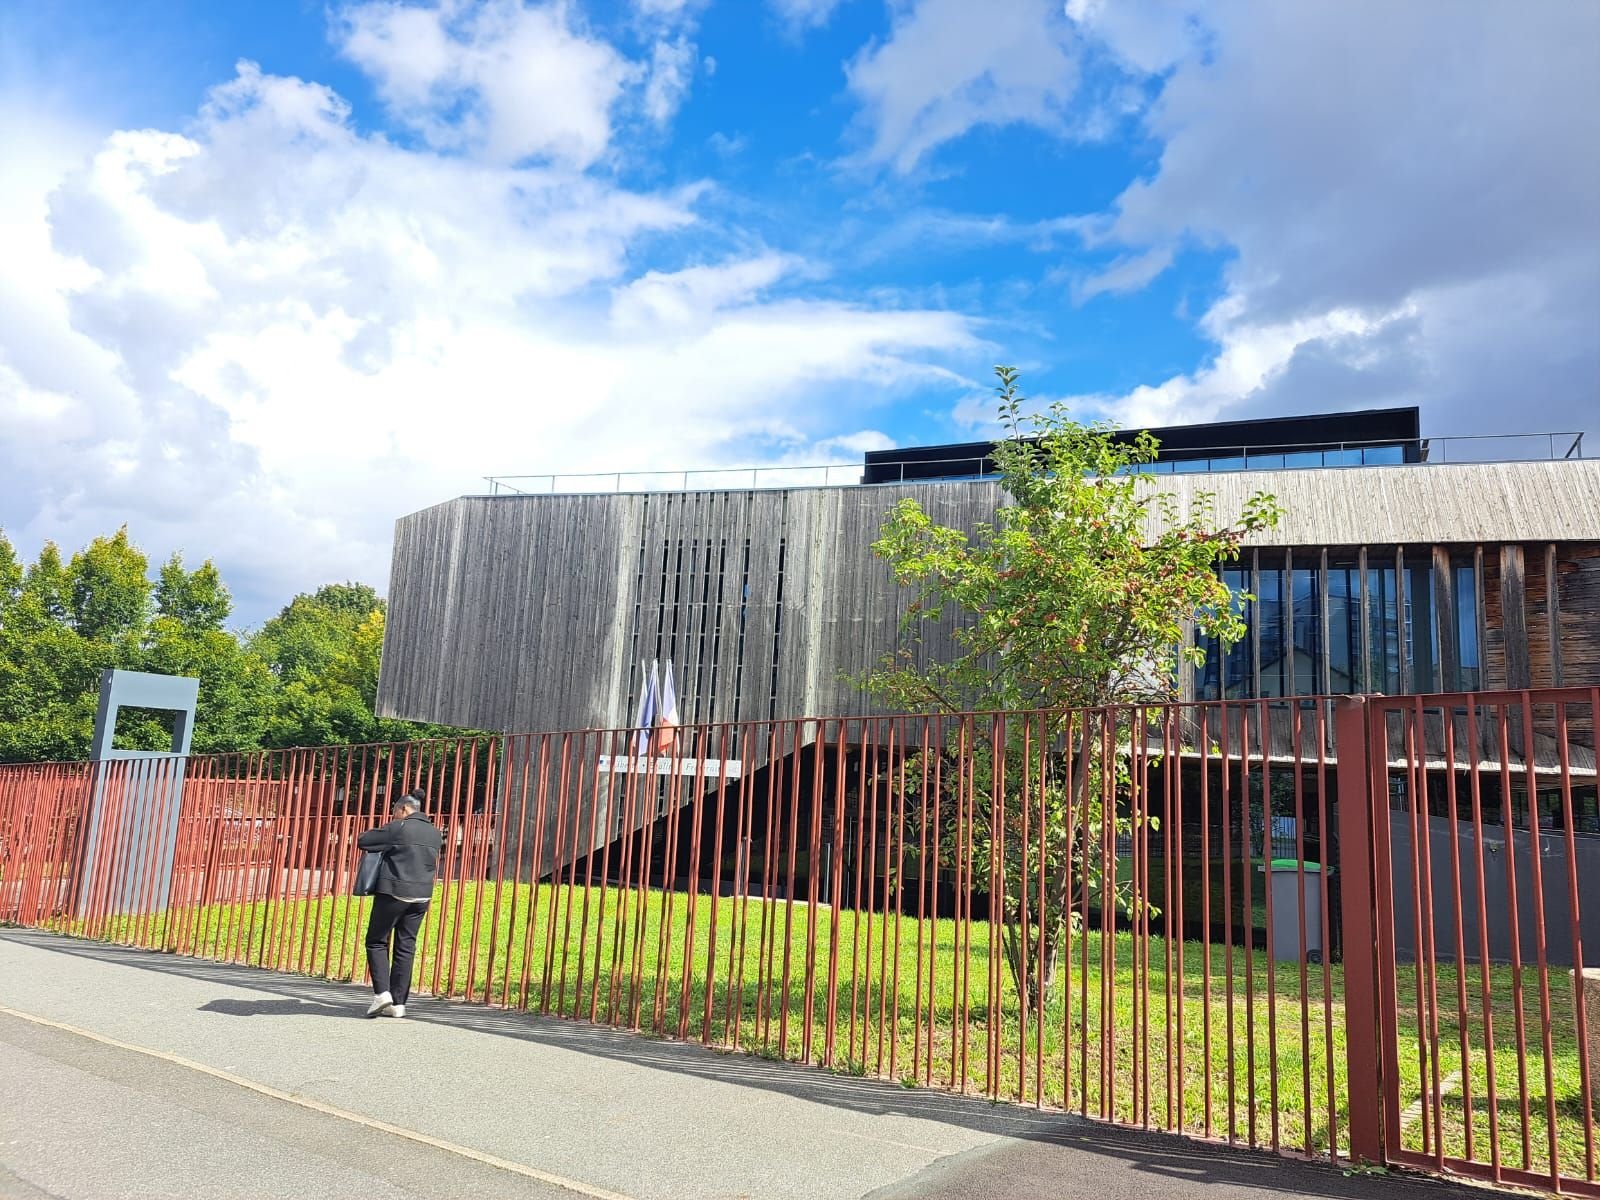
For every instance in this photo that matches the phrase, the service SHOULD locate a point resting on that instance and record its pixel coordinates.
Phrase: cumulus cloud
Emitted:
(512, 81)
(1375, 170)
(268, 336)
(949, 66)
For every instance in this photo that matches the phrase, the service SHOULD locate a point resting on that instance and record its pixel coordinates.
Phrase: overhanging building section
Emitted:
(536, 612)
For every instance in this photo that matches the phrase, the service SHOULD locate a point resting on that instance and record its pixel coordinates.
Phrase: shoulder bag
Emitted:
(367, 873)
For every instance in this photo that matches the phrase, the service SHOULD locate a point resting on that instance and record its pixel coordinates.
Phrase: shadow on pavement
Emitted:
(283, 1008)
(1161, 1155)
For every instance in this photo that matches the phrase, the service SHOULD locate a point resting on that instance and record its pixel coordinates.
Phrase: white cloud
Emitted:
(949, 66)
(854, 445)
(799, 15)
(1129, 273)
(668, 10)
(673, 299)
(268, 337)
(509, 80)
(671, 73)
(1408, 195)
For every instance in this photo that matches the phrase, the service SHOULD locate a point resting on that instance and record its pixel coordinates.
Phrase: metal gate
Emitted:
(1485, 872)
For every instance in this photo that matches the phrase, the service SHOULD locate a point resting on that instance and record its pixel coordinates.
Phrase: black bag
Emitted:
(367, 873)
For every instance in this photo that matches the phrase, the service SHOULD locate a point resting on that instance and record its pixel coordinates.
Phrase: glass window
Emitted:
(1227, 674)
(1266, 462)
(1306, 600)
(1235, 463)
(1380, 456)
(1344, 629)
(1271, 614)
(1383, 659)
(1190, 466)
(1467, 628)
(1422, 629)
(1301, 459)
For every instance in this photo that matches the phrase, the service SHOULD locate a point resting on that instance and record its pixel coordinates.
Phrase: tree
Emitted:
(47, 671)
(308, 677)
(187, 637)
(10, 573)
(1084, 593)
(108, 590)
(198, 600)
(324, 650)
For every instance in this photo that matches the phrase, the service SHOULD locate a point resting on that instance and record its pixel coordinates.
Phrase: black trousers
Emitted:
(402, 919)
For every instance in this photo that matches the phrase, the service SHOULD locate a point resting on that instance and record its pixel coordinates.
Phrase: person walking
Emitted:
(410, 847)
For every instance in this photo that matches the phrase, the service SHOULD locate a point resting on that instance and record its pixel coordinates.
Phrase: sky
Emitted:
(275, 274)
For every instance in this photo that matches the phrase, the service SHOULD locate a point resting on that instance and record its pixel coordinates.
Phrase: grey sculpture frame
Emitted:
(152, 785)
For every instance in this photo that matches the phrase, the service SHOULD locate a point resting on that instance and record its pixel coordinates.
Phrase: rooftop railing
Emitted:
(1421, 452)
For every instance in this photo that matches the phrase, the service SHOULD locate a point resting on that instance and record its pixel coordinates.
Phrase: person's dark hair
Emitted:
(412, 800)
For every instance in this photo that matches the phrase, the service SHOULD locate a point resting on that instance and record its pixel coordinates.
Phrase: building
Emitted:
(1403, 565)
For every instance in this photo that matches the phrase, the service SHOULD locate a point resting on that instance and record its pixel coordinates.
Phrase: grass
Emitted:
(631, 959)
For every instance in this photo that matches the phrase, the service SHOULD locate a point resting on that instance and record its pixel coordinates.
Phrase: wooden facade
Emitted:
(536, 612)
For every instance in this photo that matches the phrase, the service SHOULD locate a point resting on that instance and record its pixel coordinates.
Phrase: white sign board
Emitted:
(665, 764)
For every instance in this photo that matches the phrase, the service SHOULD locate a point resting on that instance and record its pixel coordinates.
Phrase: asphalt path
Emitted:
(127, 1073)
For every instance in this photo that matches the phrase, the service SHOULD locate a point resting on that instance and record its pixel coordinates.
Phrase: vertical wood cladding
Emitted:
(536, 613)
(520, 614)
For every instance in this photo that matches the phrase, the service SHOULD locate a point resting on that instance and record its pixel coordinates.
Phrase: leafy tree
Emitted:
(187, 637)
(10, 573)
(312, 629)
(198, 600)
(1085, 592)
(108, 590)
(46, 582)
(48, 677)
(308, 677)
(324, 649)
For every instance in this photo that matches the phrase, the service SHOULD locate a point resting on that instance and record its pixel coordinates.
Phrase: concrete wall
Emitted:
(1499, 860)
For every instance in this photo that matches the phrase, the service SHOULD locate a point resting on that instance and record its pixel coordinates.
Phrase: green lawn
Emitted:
(551, 950)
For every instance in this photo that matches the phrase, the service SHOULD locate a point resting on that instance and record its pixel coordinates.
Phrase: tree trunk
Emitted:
(1022, 945)
(1061, 883)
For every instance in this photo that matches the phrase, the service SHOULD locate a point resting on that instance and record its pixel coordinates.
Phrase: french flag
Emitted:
(667, 719)
(649, 701)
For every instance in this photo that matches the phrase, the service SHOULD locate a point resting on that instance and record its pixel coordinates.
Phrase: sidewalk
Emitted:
(460, 1100)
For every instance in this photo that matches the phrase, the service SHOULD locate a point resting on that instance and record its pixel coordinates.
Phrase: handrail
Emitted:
(1457, 448)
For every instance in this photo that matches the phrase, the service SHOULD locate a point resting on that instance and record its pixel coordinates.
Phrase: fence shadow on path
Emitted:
(1160, 1155)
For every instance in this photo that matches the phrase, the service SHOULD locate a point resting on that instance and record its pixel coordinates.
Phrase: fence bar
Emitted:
(1361, 934)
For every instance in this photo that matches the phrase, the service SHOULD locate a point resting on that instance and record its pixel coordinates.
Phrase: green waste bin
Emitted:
(1288, 883)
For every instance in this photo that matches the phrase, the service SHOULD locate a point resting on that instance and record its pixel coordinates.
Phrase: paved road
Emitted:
(131, 1074)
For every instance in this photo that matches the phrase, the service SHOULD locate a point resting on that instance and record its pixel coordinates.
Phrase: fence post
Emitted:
(1363, 1030)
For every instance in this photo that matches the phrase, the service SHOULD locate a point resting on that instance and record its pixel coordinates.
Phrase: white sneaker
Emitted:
(398, 1010)
(381, 1003)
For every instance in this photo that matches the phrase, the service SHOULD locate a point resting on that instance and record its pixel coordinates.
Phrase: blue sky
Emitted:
(278, 273)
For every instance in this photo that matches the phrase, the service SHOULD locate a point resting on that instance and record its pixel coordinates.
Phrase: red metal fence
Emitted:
(1186, 917)
(1484, 829)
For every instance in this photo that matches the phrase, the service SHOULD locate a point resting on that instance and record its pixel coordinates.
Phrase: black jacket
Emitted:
(410, 849)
